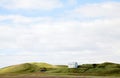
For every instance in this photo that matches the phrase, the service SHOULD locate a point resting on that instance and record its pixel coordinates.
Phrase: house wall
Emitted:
(73, 65)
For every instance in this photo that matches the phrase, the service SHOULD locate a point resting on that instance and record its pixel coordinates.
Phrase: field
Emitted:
(57, 77)
(45, 75)
(44, 70)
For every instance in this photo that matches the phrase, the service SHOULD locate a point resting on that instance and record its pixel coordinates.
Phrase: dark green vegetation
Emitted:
(44, 69)
(103, 69)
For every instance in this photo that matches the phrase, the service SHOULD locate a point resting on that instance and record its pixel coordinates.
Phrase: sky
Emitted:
(59, 31)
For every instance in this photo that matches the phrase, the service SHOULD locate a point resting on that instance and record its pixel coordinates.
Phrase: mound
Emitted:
(25, 68)
(42, 65)
(103, 69)
(106, 68)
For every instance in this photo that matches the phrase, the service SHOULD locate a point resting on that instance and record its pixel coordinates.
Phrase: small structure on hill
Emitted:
(73, 65)
(43, 69)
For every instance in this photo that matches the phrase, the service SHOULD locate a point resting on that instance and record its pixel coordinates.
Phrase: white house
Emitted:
(73, 65)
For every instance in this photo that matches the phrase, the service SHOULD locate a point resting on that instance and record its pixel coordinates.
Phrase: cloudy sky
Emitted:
(59, 31)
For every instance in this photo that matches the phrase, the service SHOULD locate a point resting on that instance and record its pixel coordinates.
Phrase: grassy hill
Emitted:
(106, 68)
(26, 68)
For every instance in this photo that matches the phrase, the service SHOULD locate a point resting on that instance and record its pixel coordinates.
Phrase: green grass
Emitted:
(25, 68)
(17, 68)
(104, 69)
(41, 65)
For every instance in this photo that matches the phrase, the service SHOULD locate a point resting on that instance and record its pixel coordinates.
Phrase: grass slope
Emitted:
(106, 68)
(25, 68)
(103, 69)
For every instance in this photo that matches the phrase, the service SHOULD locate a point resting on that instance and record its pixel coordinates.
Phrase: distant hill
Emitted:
(106, 68)
(26, 68)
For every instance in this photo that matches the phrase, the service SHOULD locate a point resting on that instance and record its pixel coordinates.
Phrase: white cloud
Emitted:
(61, 35)
(30, 4)
(72, 2)
(106, 9)
(39, 38)
(19, 19)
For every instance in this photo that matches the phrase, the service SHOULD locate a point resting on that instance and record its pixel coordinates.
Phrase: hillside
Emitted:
(106, 68)
(25, 68)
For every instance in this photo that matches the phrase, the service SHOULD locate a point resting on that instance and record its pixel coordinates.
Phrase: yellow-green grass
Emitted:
(25, 68)
(41, 65)
(104, 69)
